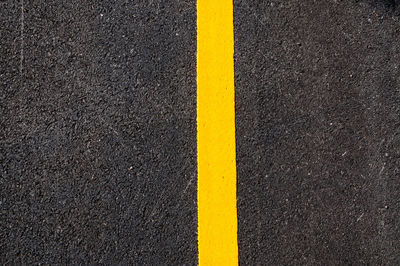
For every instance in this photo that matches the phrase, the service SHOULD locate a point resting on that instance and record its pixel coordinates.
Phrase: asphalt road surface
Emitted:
(98, 138)
(318, 132)
(98, 132)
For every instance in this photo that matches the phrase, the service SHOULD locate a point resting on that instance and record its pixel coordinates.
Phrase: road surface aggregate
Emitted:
(98, 132)
(318, 132)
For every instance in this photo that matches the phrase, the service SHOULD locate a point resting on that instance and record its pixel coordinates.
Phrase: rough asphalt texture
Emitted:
(318, 132)
(98, 136)
(98, 132)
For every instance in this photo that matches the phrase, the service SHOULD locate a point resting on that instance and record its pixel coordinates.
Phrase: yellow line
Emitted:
(216, 156)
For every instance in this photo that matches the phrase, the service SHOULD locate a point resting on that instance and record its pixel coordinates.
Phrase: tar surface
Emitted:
(98, 132)
(318, 132)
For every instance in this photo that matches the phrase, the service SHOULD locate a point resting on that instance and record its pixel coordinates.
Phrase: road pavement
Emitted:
(98, 132)
(318, 132)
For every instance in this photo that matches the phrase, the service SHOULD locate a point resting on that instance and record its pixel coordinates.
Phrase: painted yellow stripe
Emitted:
(217, 216)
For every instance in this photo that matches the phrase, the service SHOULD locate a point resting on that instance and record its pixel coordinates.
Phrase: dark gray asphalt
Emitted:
(318, 132)
(98, 132)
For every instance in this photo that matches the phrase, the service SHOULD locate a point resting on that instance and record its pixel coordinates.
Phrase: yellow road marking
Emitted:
(216, 155)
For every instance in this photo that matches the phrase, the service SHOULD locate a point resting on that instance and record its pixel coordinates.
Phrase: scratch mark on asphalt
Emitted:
(188, 185)
(155, 207)
(22, 39)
